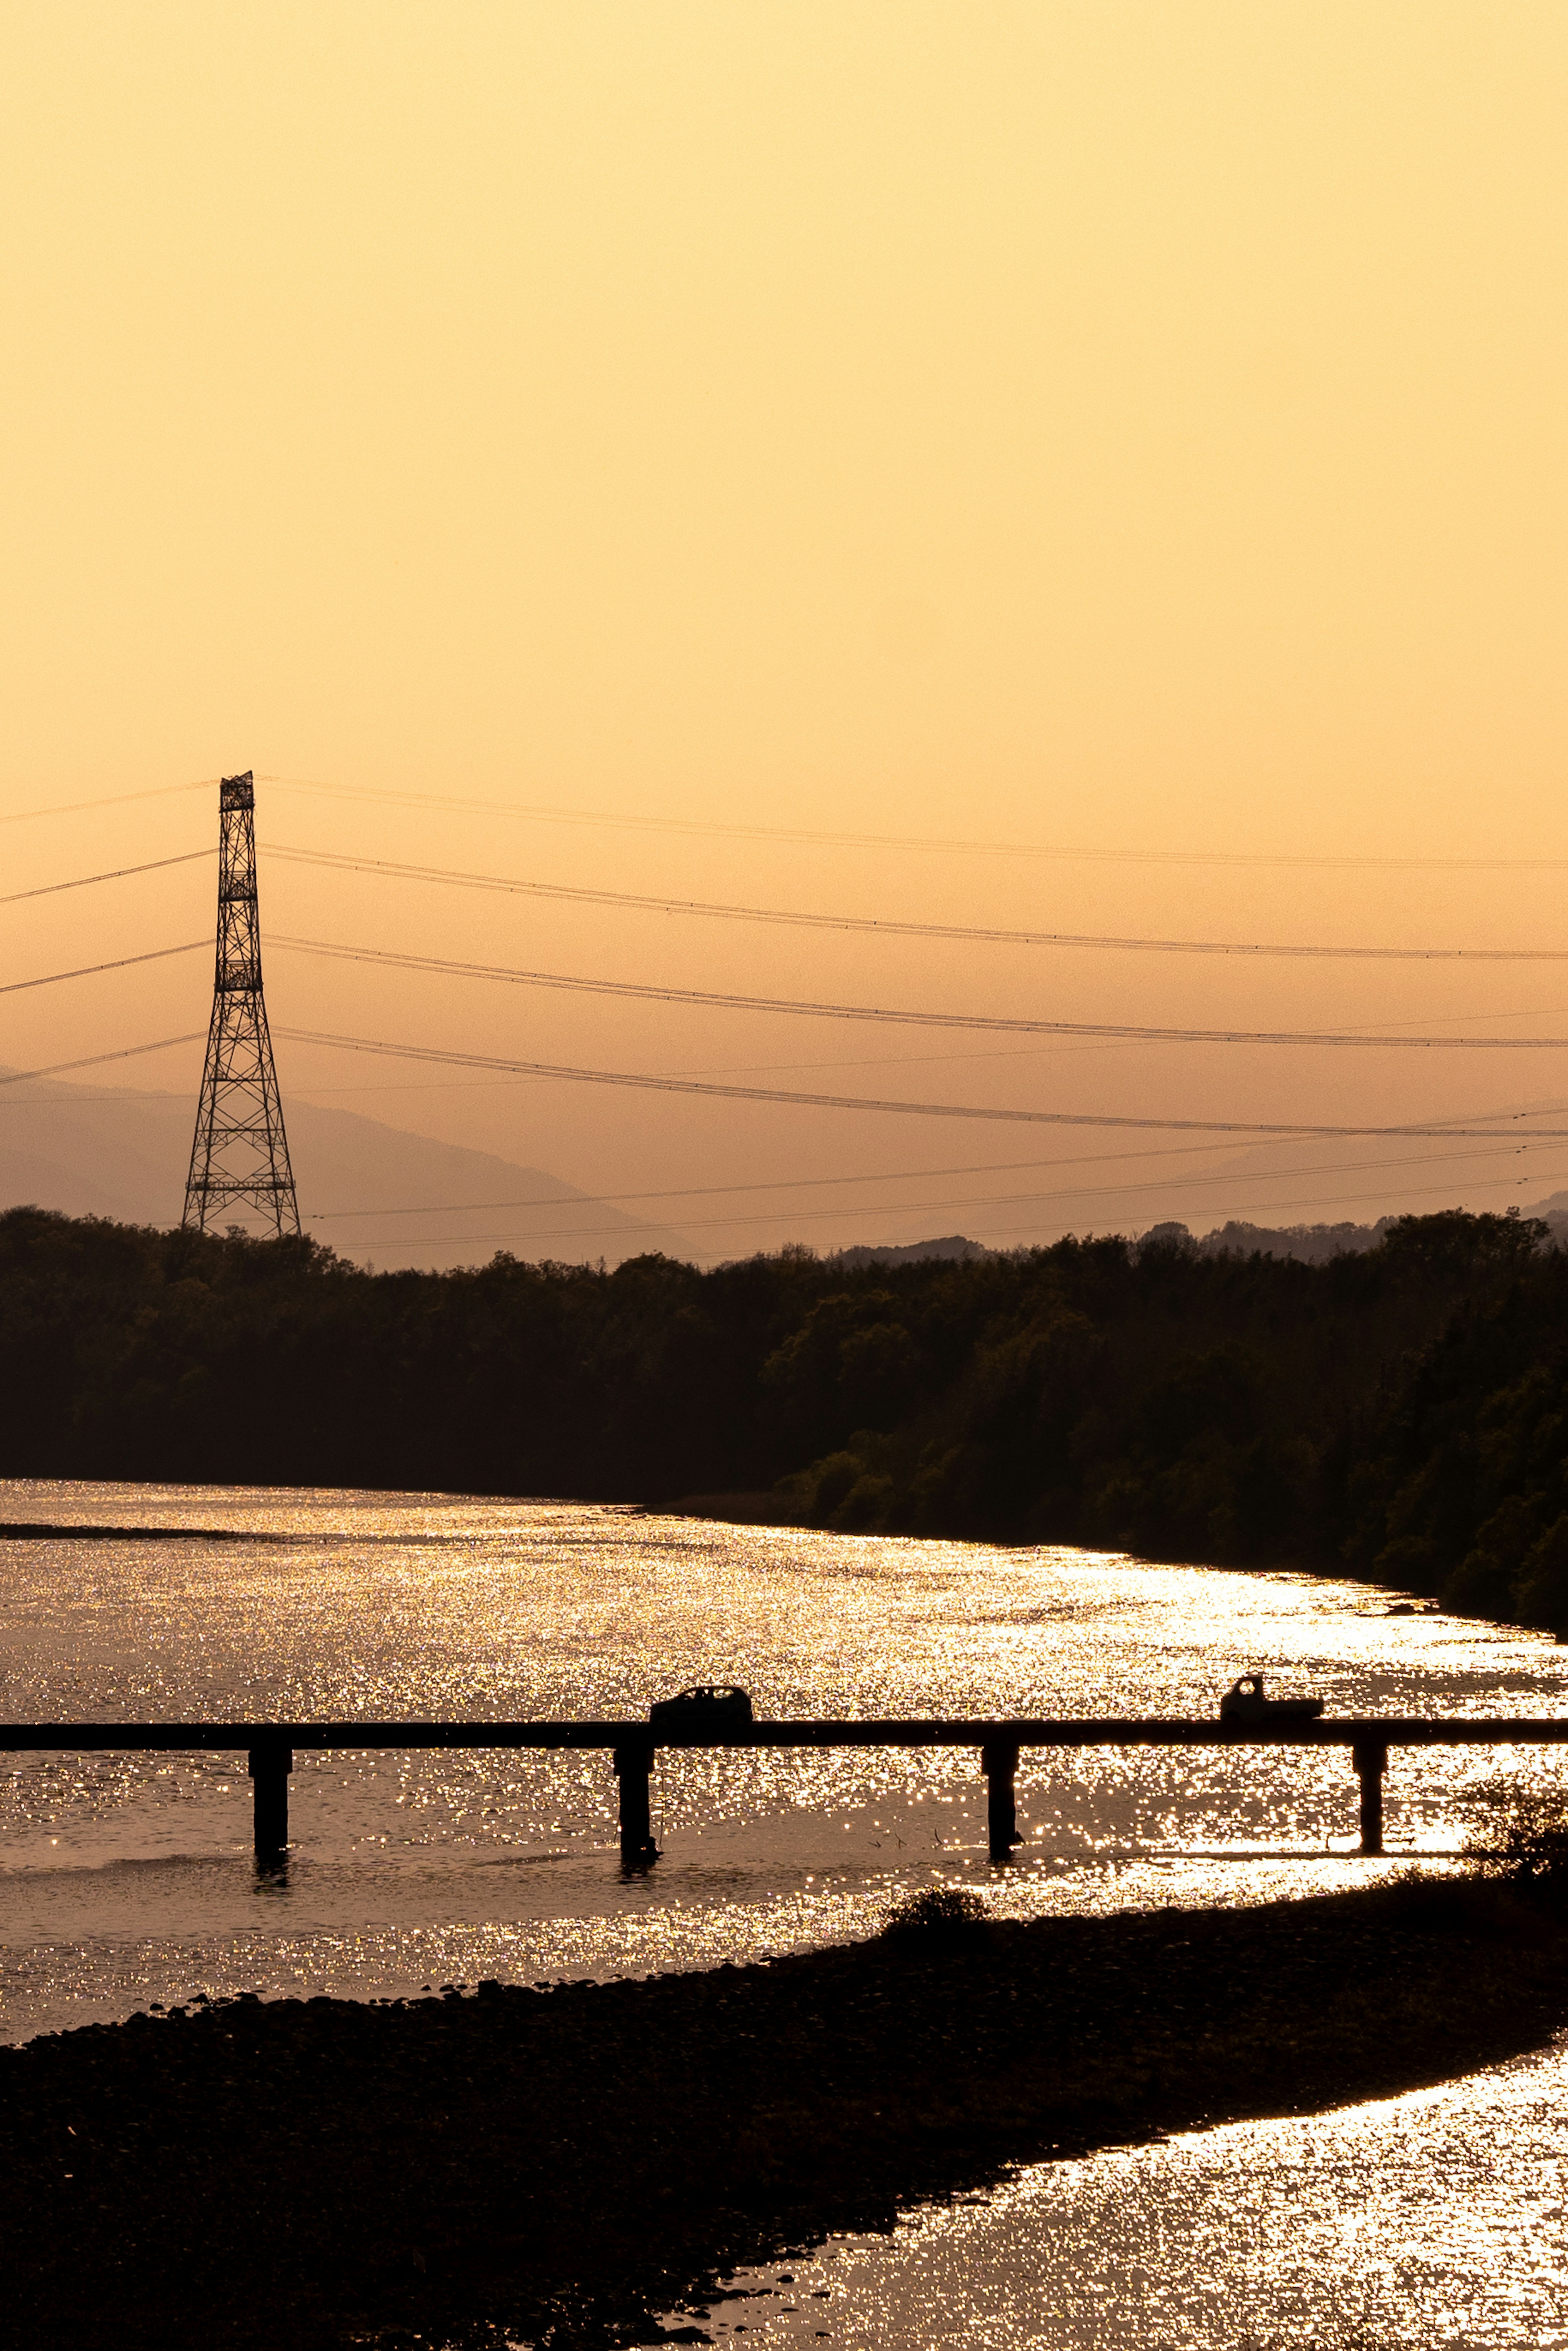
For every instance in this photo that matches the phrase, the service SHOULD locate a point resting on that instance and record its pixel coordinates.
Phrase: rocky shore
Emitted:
(550, 2166)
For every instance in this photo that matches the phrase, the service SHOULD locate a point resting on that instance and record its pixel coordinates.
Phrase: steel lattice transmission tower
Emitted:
(240, 1153)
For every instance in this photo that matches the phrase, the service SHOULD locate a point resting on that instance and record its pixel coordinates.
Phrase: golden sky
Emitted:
(1114, 428)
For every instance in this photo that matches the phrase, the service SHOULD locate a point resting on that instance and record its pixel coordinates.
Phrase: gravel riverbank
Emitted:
(551, 2165)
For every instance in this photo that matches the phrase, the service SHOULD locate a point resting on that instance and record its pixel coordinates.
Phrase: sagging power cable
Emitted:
(87, 971)
(1007, 1024)
(573, 895)
(96, 1061)
(700, 1224)
(1338, 1200)
(549, 813)
(658, 1084)
(900, 1207)
(115, 799)
(790, 1183)
(118, 873)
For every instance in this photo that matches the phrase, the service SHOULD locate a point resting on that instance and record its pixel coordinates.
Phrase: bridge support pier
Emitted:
(1370, 1757)
(270, 1765)
(1000, 1762)
(633, 1769)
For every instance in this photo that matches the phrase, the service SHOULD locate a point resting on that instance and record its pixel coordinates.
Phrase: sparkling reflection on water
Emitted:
(1430, 2220)
(126, 1879)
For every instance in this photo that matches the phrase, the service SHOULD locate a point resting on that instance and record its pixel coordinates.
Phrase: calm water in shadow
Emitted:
(124, 1880)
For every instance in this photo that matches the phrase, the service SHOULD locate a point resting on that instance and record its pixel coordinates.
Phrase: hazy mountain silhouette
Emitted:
(1307, 1244)
(121, 1153)
(1553, 1213)
(1304, 1185)
(953, 1248)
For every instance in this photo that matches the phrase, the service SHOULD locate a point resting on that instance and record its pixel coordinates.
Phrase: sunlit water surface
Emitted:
(1434, 2219)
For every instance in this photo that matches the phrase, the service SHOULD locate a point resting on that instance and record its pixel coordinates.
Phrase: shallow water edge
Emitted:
(554, 2167)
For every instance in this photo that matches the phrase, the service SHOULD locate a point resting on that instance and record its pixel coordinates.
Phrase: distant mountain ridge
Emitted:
(953, 1248)
(1552, 1211)
(1316, 1244)
(120, 1153)
(1309, 1244)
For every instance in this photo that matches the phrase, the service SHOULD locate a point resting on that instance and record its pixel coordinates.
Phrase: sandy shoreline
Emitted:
(556, 2165)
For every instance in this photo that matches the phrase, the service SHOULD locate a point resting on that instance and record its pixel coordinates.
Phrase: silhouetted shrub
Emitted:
(1526, 1844)
(938, 1913)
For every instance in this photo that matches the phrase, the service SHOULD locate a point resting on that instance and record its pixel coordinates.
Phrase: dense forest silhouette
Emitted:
(1401, 1412)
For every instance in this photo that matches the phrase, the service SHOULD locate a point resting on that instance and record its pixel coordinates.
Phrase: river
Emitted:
(125, 1880)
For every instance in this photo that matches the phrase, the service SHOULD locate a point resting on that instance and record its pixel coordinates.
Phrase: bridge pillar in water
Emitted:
(633, 1769)
(1371, 1758)
(270, 1765)
(1000, 1762)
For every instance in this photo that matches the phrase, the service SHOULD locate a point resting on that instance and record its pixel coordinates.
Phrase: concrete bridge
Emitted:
(270, 1748)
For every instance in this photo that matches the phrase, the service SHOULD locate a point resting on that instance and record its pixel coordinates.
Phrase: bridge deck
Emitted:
(270, 1748)
(1024, 1731)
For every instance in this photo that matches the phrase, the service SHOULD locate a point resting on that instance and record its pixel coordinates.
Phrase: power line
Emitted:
(780, 1183)
(686, 826)
(839, 1062)
(117, 800)
(96, 1061)
(1122, 1031)
(1342, 1200)
(599, 1232)
(548, 813)
(911, 1207)
(87, 971)
(887, 927)
(1006, 1024)
(119, 874)
(656, 1084)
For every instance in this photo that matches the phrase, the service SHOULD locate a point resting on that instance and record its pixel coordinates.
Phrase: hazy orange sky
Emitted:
(1099, 427)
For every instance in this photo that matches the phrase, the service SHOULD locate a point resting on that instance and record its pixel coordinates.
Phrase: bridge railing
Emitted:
(270, 1748)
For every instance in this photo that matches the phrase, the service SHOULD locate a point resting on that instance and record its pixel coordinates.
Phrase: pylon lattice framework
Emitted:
(240, 1153)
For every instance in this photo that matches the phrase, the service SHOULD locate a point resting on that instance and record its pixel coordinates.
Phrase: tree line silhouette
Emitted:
(1400, 1414)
